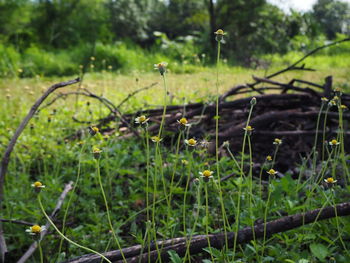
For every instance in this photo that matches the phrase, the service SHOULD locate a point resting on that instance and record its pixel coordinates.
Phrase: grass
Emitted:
(125, 166)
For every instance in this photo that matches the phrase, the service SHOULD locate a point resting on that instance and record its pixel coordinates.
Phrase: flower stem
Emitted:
(41, 252)
(107, 209)
(63, 236)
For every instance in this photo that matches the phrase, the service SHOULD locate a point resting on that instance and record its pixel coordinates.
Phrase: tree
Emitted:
(333, 17)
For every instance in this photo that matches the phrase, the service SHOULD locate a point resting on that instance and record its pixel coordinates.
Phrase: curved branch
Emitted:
(6, 157)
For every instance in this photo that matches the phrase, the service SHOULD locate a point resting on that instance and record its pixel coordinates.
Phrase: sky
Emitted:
(300, 5)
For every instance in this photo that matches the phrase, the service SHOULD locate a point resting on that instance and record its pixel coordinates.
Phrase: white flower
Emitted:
(35, 230)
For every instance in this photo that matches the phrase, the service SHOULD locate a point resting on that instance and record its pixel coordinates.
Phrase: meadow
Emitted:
(130, 191)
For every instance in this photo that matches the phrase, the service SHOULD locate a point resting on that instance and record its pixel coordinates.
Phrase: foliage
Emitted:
(175, 28)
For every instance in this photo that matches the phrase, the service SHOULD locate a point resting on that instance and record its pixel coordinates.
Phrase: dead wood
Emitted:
(199, 242)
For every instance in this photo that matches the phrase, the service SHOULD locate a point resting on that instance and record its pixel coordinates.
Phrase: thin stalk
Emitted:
(63, 236)
(223, 211)
(240, 184)
(107, 209)
(71, 197)
(250, 176)
(195, 223)
(207, 219)
(185, 195)
(315, 142)
(324, 132)
(265, 219)
(40, 252)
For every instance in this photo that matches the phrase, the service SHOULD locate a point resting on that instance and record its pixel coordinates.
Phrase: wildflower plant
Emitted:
(141, 120)
(191, 142)
(206, 175)
(35, 230)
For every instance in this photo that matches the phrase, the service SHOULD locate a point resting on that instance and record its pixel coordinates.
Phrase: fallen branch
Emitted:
(6, 157)
(218, 240)
(58, 206)
(18, 222)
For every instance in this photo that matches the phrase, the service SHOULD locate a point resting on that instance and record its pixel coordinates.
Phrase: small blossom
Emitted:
(191, 142)
(184, 162)
(206, 175)
(219, 35)
(96, 152)
(277, 141)
(110, 67)
(343, 107)
(156, 139)
(37, 186)
(92, 58)
(20, 70)
(272, 172)
(220, 32)
(334, 142)
(204, 144)
(249, 129)
(324, 99)
(332, 103)
(330, 180)
(161, 67)
(183, 121)
(226, 144)
(253, 101)
(269, 158)
(141, 119)
(93, 130)
(338, 91)
(35, 230)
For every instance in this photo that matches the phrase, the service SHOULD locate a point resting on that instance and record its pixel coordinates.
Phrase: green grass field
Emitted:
(178, 206)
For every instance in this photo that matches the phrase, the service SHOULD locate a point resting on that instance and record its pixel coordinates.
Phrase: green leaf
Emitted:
(213, 251)
(174, 257)
(318, 250)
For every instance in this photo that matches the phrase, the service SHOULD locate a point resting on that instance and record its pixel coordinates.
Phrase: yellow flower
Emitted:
(161, 67)
(93, 130)
(184, 162)
(219, 35)
(38, 185)
(141, 119)
(191, 142)
(35, 230)
(277, 141)
(156, 139)
(96, 152)
(183, 121)
(272, 172)
(226, 144)
(269, 158)
(324, 99)
(330, 180)
(206, 175)
(334, 142)
(248, 129)
(220, 32)
(92, 58)
(343, 107)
